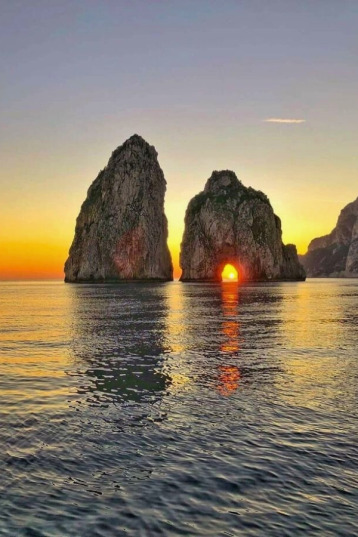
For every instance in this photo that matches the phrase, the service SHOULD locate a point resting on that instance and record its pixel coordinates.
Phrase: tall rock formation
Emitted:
(336, 254)
(230, 223)
(121, 231)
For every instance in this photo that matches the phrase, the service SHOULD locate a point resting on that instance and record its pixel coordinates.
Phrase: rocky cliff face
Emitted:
(336, 254)
(121, 231)
(229, 223)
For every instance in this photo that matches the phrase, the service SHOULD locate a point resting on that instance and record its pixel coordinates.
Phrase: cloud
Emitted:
(283, 120)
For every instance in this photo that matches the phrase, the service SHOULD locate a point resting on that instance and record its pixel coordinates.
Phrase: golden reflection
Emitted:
(178, 382)
(230, 324)
(175, 367)
(229, 375)
(32, 362)
(229, 274)
(313, 335)
(175, 319)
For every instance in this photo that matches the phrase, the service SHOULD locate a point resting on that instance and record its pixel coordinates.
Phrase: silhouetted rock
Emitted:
(336, 254)
(121, 231)
(230, 223)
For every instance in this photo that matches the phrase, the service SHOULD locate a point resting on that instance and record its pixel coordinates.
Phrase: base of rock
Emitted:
(241, 281)
(119, 281)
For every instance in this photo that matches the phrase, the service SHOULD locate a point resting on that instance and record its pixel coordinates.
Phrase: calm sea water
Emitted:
(179, 409)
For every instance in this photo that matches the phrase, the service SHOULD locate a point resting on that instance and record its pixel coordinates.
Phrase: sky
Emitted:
(199, 80)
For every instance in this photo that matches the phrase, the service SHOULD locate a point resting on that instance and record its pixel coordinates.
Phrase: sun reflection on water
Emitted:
(230, 324)
(229, 374)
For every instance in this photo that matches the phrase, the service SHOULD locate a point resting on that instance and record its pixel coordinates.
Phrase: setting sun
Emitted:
(229, 274)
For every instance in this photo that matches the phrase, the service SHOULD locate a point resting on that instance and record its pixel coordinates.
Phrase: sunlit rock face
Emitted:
(336, 254)
(230, 223)
(121, 231)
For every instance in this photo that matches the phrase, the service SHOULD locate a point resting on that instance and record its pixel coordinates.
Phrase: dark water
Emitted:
(179, 409)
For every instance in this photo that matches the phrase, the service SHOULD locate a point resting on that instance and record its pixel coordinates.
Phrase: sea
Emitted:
(170, 409)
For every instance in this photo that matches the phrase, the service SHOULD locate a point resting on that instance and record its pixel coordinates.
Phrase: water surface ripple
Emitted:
(179, 409)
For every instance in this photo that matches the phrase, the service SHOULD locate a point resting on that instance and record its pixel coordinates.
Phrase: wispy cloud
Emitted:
(283, 120)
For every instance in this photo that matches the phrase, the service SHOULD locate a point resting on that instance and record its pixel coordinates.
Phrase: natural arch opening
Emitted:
(230, 274)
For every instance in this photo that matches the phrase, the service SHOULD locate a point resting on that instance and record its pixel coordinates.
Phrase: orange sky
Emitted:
(38, 243)
(41, 202)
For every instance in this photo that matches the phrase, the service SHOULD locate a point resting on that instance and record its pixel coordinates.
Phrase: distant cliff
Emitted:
(336, 254)
(230, 223)
(121, 231)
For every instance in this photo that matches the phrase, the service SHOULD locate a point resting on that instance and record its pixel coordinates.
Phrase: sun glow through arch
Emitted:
(229, 274)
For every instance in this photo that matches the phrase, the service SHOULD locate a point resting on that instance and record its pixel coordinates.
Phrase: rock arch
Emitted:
(230, 223)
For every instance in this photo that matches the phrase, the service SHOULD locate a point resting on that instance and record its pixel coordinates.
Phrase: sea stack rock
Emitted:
(121, 231)
(230, 223)
(336, 254)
